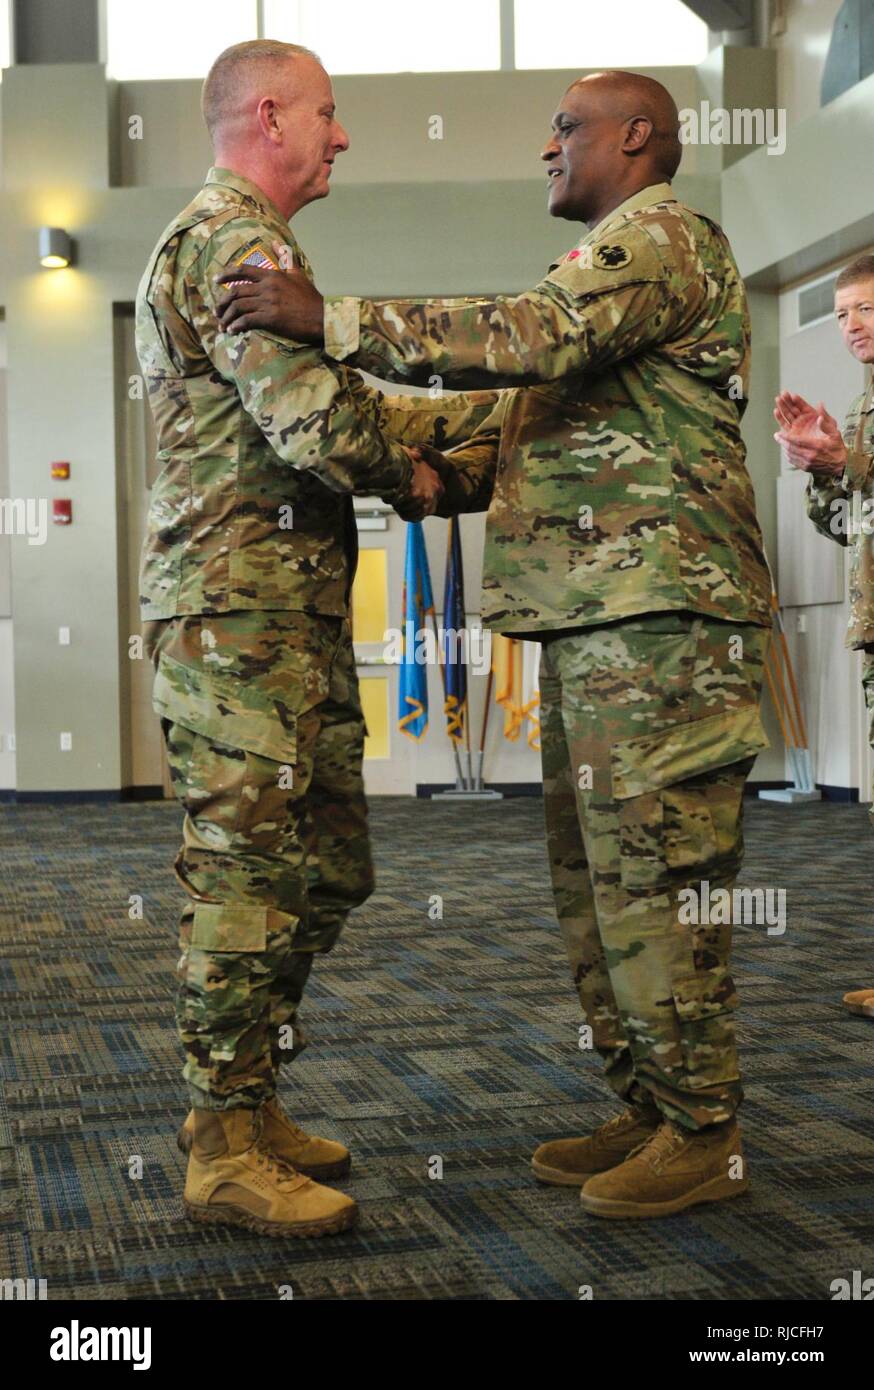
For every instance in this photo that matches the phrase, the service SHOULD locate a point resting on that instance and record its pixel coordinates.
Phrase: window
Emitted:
(180, 38)
(173, 38)
(597, 34)
(391, 35)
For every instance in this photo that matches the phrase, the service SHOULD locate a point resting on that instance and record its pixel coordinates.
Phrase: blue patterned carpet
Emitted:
(453, 1039)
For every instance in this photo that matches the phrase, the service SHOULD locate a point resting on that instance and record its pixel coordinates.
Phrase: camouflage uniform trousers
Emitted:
(264, 733)
(649, 729)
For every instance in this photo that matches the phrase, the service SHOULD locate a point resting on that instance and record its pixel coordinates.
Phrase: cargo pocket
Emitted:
(705, 1004)
(667, 821)
(219, 928)
(227, 712)
(227, 745)
(641, 842)
(223, 974)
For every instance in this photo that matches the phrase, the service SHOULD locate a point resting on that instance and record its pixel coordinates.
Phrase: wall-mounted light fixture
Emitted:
(55, 248)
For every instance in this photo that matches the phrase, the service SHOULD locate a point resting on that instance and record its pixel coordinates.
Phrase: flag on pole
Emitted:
(418, 604)
(531, 690)
(517, 686)
(454, 653)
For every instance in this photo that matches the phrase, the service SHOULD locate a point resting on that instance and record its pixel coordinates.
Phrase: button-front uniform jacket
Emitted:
(843, 509)
(612, 467)
(262, 443)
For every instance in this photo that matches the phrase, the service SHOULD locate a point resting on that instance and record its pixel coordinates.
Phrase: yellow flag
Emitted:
(516, 686)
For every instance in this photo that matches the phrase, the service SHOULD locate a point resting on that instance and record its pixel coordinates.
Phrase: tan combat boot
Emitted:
(860, 1001)
(235, 1180)
(316, 1158)
(673, 1170)
(569, 1162)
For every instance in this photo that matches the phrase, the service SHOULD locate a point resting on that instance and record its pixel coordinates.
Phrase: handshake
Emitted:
(426, 484)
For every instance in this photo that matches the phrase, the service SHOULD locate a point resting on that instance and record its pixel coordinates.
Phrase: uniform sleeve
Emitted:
(301, 403)
(443, 421)
(829, 499)
(827, 503)
(465, 427)
(612, 301)
(859, 472)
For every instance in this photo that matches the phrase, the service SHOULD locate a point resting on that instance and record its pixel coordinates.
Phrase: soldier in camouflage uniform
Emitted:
(840, 489)
(622, 534)
(245, 581)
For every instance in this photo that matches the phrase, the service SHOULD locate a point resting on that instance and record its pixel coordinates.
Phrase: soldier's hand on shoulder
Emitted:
(283, 301)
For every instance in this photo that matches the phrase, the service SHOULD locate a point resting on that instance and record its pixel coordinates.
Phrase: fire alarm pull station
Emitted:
(60, 470)
(62, 511)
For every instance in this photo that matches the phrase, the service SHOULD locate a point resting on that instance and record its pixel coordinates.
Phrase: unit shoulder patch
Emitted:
(611, 256)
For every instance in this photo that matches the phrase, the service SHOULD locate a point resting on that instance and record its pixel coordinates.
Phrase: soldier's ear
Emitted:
(637, 132)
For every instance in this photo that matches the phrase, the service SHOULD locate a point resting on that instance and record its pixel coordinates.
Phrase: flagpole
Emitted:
(459, 780)
(482, 737)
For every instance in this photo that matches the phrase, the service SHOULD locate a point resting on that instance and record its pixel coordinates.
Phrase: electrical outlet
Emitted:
(801, 622)
(10, 743)
(64, 636)
(66, 743)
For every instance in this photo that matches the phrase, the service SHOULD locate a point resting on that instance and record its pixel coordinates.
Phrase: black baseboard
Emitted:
(108, 797)
(424, 790)
(142, 794)
(848, 795)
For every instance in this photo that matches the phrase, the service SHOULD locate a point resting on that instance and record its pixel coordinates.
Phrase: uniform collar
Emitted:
(228, 179)
(644, 198)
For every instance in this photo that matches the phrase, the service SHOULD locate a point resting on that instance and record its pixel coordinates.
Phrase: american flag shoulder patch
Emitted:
(253, 253)
(256, 253)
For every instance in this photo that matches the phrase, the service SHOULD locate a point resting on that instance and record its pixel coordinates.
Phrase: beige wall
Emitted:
(494, 126)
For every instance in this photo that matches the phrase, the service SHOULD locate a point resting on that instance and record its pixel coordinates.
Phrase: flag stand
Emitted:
(467, 788)
(789, 714)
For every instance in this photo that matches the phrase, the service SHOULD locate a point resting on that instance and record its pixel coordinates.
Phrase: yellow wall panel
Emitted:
(374, 702)
(370, 596)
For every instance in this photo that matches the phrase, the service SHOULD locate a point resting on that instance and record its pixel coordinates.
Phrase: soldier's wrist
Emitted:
(858, 468)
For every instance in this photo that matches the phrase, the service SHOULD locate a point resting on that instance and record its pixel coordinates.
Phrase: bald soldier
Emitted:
(245, 580)
(622, 534)
(840, 489)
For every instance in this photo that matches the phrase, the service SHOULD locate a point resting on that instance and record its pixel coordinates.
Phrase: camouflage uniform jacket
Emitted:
(619, 486)
(843, 510)
(262, 442)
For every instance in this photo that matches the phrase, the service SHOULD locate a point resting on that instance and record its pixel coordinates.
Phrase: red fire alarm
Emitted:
(60, 470)
(62, 511)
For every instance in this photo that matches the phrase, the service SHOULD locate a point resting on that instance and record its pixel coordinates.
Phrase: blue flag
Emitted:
(418, 604)
(454, 653)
